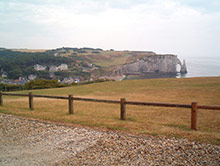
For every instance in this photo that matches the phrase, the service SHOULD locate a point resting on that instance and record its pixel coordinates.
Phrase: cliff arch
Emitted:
(183, 69)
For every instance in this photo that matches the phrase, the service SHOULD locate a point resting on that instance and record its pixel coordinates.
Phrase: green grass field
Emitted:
(170, 122)
(112, 61)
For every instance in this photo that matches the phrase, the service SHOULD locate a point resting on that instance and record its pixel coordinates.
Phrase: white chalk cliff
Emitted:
(157, 63)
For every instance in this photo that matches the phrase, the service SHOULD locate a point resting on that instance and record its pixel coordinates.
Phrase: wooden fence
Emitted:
(193, 106)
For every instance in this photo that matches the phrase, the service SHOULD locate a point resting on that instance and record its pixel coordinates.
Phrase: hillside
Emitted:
(140, 119)
(83, 63)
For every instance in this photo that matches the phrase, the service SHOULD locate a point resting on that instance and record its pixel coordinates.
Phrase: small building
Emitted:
(4, 75)
(84, 69)
(53, 68)
(38, 67)
(56, 54)
(62, 67)
(67, 80)
(94, 68)
(77, 80)
(7, 81)
(20, 81)
(32, 77)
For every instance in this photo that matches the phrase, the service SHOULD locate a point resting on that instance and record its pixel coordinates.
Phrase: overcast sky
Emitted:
(188, 28)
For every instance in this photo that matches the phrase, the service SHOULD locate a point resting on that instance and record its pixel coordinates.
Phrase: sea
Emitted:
(202, 67)
(196, 67)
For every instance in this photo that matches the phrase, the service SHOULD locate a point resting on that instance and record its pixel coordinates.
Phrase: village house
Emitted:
(53, 68)
(32, 77)
(67, 80)
(77, 80)
(56, 54)
(85, 69)
(62, 67)
(7, 81)
(38, 67)
(21, 81)
(4, 75)
(94, 68)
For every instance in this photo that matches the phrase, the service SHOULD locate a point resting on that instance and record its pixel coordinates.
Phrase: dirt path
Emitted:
(30, 142)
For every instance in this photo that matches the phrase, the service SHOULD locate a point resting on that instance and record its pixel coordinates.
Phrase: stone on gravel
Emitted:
(31, 142)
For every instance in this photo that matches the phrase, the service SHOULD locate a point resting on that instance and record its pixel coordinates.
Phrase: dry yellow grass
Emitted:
(171, 122)
(29, 50)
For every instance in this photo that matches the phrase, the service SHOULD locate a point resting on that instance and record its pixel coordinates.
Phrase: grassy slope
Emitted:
(103, 58)
(111, 58)
(30, 50)
(112, 62)
(141, 119)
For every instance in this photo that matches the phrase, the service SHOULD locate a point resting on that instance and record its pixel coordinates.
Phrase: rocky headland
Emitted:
(157, 64)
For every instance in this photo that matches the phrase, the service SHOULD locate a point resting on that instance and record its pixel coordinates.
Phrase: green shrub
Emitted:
(7, 87)
(42, 84)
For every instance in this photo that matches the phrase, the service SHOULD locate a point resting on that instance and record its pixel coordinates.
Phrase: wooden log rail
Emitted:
(194, 105)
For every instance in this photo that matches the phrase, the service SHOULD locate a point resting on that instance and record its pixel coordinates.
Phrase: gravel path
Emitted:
(30, 142)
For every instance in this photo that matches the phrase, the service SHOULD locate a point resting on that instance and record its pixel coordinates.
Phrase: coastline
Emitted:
(199, 67)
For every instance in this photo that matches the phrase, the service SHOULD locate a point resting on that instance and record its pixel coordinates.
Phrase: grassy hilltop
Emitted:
(140, 119)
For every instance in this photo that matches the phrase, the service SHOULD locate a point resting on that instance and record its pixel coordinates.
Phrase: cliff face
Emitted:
(153, 64)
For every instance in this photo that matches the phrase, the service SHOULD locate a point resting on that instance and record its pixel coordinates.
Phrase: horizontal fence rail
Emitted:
(51, 97)
(97, 100)
(207, 107)
(193, 106)
(159, 104)
(14, 94)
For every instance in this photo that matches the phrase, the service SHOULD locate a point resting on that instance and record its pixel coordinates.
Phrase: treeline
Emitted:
(37, 84)
(43, 84)
(19, 64)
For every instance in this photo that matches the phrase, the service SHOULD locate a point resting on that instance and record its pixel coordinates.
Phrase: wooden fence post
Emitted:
(1, 99)
(70, 104)
(194, 116)
(31, 101)
(123, 108)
